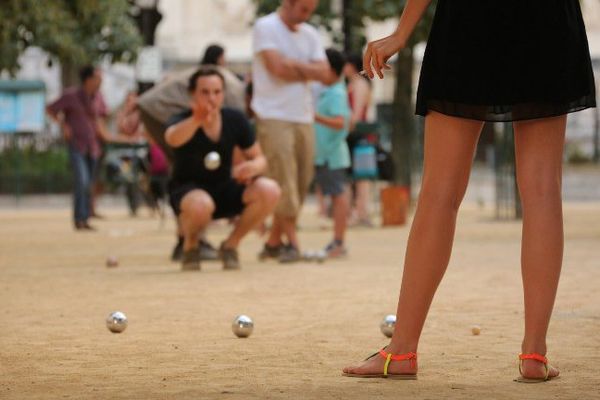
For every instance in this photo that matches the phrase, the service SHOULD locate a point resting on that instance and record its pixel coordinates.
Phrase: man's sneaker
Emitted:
(336, 249)
(190, 260)
(270, 252)
(289, 254)
(229, 258)
(177, 251)
(207, 251)
(361, 223)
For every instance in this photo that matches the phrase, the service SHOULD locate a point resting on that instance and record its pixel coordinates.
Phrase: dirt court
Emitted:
(310, 319)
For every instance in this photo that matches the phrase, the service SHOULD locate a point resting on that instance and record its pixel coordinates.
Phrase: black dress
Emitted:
(506, 60)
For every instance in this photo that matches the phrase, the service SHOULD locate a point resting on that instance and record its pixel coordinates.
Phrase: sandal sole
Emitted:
(391, 376)
(521, 379)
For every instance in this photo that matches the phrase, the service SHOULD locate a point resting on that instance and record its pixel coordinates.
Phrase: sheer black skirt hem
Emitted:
(505, 113)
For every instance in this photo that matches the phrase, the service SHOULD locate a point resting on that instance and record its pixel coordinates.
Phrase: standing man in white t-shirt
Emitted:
(288, 54)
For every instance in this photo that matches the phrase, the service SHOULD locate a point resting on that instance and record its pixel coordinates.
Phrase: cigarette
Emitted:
(363, 73)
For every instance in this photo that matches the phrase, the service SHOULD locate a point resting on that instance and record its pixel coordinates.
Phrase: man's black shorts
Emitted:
(227, 197)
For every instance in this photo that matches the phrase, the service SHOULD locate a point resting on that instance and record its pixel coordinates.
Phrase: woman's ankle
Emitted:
(401, 347)
(534, 346)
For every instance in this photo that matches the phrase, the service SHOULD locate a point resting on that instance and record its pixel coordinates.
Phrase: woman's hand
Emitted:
(378, 52)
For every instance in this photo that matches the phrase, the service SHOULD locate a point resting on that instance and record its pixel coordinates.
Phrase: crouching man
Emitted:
(205, 185)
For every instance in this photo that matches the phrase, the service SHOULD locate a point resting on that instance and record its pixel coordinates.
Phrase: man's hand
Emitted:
(335, 122)
(66, 131)
(282, 67)
(318, 71)
(202, 112)
(245, 171)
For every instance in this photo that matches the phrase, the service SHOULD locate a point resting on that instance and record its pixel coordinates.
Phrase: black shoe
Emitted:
(190, 260)
(83, 226)
(229, 258)
(207, 251)
(177, 251)
(270, 252)
(289, 254)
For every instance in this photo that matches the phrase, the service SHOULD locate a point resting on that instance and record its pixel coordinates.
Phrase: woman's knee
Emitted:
(539, 187)
(445, 196)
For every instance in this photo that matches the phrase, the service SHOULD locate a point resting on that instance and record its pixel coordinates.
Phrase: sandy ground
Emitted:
(311, 319)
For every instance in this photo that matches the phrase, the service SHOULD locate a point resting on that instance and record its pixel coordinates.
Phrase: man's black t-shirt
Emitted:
(189, 158)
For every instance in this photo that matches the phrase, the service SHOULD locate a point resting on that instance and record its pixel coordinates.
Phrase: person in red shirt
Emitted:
(77, 111)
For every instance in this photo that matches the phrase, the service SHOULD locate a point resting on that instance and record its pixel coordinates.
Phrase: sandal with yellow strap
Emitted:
(389, 357)
(536, 357)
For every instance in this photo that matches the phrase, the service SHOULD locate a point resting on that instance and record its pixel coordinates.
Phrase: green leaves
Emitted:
(77, 32)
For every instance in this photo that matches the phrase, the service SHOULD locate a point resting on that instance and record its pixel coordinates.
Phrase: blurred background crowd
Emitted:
(137, 44)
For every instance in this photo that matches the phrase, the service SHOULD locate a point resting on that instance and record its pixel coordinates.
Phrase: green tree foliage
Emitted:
(75, 32)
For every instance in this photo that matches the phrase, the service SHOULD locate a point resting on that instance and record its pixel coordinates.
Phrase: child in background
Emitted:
(332, 156)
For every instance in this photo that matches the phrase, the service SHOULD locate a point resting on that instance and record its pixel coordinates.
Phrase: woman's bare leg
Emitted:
(539, 150)
(449, 148)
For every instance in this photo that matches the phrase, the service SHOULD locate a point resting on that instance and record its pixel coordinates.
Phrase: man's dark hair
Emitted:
(336, 60)
(207, 70)
(212, 54)
(356, 61)
(86, 73)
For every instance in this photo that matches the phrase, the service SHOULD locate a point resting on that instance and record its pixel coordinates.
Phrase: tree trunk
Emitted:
(404, 119)
(347, 26)
(69, 74)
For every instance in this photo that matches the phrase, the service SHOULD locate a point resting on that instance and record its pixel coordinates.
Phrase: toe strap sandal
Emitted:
(389, 357)
(536, 357)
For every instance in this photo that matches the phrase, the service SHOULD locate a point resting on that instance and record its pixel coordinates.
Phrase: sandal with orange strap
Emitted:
(536, 357)
(389, 357)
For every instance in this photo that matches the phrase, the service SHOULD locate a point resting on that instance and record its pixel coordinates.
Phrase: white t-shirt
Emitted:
(275, 98)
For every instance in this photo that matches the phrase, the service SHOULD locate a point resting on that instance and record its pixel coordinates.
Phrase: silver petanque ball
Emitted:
(320, 256)
(387, 325)
(308, 255)
(116, 322)
(212, 160)
(242, 326)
